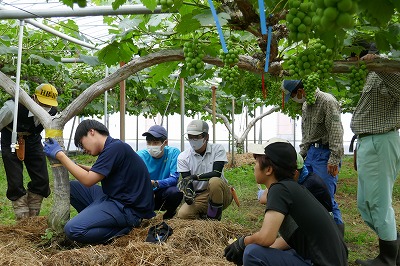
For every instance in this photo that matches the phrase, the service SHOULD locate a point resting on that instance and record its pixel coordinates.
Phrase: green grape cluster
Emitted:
(316, 58)
(230, 72)
(230, 75)
(357, 76)
(250, 84)
(37, 73)
(194, 54)
(333, 15)
(165, 4)
(232, 57)
(299, 20)
(311, 83)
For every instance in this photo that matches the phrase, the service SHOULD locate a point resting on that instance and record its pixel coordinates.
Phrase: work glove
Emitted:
(186, 186)
(234, 252)
(51, 148)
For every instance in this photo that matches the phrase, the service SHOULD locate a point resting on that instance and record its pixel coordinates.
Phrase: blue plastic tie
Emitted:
(262, 17)
(268, 48)
(221, 36)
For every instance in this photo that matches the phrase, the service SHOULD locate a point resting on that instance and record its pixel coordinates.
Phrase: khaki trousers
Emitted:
(218, 192)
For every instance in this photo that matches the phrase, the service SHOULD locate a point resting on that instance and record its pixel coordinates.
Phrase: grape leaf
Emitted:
(188, 24)
(150, 4)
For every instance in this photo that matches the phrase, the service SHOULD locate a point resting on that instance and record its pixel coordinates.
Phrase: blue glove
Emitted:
(51, 148)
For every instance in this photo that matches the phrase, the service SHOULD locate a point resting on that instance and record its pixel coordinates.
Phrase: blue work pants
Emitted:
(317, 162)
(99, 217)
(263, 256)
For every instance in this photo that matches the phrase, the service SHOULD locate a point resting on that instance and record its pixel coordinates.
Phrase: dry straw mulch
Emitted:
(193, 242)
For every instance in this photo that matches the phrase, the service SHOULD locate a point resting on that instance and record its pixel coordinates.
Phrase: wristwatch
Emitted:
(155, 184)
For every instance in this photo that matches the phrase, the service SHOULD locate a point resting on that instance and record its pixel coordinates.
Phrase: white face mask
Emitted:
(297, 100)
(196, 143)
(154, 151)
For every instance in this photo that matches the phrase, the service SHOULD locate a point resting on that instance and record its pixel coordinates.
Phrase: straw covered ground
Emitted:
(197, 242)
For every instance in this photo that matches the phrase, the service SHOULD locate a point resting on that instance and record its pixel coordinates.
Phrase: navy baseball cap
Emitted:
(156, 131)
(288, 86)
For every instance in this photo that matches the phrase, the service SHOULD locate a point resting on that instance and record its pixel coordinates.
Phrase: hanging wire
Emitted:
(170, 98)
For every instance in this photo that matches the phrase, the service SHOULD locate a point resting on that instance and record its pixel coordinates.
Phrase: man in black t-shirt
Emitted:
(308, 234)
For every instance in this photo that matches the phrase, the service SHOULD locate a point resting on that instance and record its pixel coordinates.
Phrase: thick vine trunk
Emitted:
(60, 212)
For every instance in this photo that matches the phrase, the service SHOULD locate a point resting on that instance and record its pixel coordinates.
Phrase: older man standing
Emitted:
(322, 143)
(376, 121)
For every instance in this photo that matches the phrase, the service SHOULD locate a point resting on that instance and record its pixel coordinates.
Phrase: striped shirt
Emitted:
(321, 123)
(378, 110)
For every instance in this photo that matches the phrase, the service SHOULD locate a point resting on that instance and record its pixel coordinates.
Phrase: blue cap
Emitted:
(288, 86)
(156, 131)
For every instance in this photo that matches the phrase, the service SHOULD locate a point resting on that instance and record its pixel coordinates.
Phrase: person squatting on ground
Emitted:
(308, 234)
(311, 181)
(161, 161)
(26, 202)
(376, 121)
(322, 131)
(125, 196)
(206, 191)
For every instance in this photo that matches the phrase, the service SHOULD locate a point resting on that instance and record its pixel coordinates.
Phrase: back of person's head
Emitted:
(86, 125)
(277, 153)
(156, 133)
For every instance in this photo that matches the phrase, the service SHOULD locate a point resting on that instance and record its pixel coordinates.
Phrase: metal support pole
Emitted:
(214, 103)
(14, 142)
(260, 133)
(122, 107)
(182, 87)
(106, 122)
(233, 131)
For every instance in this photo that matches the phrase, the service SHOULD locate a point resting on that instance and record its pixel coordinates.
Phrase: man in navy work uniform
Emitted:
(307, 233)
(125, 196)
(161, 161)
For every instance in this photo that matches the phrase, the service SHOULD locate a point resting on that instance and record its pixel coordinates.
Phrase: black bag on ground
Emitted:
(159, 233)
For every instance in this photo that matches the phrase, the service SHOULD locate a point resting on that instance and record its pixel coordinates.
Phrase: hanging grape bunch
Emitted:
(316, 58)
(299, 20)
(311, 83)
(165, 4)
(333, 15)
(194, 54)
(230, 72)
(230, 58)
(357, 76)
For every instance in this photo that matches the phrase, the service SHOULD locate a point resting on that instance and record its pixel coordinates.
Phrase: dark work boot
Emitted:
(387, 254)
(214, 211)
